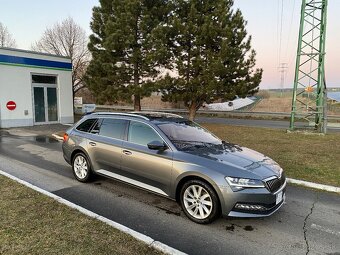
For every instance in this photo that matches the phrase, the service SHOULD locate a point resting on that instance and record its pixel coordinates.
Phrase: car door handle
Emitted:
(126, 152)
(92, 143)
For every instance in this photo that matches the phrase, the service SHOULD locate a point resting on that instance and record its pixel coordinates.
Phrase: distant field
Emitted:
(152, 102)
(274, 104)
(274, 101)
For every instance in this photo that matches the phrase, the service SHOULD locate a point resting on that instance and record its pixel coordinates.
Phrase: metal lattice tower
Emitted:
(309, 95)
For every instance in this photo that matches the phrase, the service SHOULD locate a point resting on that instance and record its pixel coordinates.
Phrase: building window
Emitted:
(46, 79)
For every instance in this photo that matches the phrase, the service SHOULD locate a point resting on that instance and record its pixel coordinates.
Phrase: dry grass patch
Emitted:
(32, 223)
(308, 157)
(277, 104)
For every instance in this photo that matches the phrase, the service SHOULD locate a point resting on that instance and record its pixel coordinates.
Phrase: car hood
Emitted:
(232, 156)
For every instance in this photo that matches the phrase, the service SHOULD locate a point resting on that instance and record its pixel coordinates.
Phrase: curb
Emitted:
(139, 236)
(314, 185)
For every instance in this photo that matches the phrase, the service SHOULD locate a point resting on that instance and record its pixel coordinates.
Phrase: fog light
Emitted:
(250, 207)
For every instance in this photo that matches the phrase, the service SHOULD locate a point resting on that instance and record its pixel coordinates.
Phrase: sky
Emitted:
(27, 20)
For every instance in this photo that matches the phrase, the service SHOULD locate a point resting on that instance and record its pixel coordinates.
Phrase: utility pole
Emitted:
(283, 68)
(309, 94)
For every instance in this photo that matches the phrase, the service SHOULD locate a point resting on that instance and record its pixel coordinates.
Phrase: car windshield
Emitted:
(186, 134)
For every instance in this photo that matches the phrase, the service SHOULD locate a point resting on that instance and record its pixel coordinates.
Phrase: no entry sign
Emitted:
(11, 105)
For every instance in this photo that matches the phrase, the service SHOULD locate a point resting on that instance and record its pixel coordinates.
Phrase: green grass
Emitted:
(307, 157)
(31, 223)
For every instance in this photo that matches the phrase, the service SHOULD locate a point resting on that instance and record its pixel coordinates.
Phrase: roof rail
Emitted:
(121, 114)
(156, 114)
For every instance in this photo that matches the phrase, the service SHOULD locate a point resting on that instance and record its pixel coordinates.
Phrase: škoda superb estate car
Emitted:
(176, 158)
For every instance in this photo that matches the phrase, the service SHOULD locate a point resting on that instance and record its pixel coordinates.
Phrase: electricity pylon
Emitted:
(309, 94)
(283, 68)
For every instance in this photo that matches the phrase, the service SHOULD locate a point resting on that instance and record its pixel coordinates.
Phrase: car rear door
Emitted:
(105, 144)
(151, 169)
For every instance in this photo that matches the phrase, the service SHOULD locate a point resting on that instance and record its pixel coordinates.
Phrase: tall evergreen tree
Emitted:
(211, 52)
(125, 57)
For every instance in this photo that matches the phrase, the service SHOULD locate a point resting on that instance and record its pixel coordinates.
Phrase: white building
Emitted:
(35, 88)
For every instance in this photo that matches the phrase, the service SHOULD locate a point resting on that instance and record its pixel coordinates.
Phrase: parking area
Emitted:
(308, 222)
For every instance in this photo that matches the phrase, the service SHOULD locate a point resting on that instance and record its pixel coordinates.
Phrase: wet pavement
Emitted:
(40, 130)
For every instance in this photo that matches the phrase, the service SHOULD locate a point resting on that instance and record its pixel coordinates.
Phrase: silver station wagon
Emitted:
(176, 158)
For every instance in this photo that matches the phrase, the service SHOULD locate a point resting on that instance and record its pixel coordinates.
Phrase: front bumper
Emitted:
(254, 198)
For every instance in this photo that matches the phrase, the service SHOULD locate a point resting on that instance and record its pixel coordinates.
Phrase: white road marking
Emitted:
(314, 185)
(326, 230)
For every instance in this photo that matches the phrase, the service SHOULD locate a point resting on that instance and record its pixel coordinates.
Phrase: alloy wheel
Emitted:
(198, 202)
(80, 167)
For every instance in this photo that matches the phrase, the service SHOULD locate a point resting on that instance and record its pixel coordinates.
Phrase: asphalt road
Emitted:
(309, 222)
(276, 124)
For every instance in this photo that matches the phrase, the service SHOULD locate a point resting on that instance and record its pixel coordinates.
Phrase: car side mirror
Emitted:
(157, 145)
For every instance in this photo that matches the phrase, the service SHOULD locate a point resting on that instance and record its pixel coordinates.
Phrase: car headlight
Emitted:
(237, 184)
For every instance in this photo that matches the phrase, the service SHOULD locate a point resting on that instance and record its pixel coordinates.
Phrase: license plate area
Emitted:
(279, 197)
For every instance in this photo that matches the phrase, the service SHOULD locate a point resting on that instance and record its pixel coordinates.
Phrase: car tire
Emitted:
(199, 202)
(81, 167)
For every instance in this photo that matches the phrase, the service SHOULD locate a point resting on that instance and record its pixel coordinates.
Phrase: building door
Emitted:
(52, 106)
(45, 104)
(39, 104)
(45, 99)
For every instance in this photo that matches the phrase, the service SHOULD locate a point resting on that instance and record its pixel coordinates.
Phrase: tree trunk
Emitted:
(137, 107)
(192, 111)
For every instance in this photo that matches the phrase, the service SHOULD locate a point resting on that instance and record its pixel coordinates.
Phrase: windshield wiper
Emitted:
(195, 143)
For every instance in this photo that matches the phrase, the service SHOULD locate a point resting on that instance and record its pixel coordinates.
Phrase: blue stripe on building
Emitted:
(34, 62)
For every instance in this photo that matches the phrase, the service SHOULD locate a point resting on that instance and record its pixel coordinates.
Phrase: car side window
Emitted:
(114, 128)
(142, 134)
(86, 125)
(96, 127)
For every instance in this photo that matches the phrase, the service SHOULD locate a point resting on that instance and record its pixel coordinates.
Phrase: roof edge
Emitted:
(34, 52)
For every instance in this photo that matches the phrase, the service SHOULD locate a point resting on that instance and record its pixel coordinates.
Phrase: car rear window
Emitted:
(86, 125)
(114, 128)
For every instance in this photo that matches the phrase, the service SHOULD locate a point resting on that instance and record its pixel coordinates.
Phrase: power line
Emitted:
(290, 28)
(277, 31)
(281, 30)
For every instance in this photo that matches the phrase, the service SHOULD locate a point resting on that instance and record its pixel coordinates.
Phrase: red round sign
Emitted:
(11, 105)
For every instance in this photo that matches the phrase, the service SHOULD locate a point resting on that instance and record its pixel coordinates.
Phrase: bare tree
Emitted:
(6, 39)
(67, 39)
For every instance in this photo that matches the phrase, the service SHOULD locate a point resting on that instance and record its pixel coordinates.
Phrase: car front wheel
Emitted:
(199, 202)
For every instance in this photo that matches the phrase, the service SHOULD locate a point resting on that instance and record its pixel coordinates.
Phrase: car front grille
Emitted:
(275, 184)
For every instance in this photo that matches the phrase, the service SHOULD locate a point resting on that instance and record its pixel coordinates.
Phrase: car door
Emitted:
(105, 145)
(152, 169)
